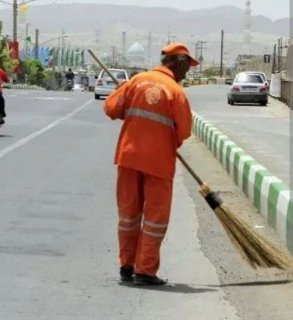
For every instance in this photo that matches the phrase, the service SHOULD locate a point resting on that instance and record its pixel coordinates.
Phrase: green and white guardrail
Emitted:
(268, 193)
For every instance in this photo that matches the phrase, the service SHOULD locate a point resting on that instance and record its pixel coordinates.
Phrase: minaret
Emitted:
(247, 37)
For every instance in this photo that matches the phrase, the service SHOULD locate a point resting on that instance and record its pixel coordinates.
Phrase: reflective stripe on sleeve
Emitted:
(137, 112)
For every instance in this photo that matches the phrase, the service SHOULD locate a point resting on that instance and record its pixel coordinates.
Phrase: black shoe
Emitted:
(2, 121)
(126, 273)
(146, 280)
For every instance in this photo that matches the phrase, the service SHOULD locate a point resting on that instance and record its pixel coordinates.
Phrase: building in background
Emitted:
(136, 56)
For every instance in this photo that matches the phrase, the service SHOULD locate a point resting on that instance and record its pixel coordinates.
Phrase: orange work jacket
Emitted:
(157, 118)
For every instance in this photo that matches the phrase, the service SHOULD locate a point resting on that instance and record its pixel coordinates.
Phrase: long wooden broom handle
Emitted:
(188, 168)
(103, 66)
(185, 164)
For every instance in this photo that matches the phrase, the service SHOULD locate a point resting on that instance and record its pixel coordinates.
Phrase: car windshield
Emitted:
(249, 78)
(119, 75)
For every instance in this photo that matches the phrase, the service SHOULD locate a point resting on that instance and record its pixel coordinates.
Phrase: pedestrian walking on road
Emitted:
(157, 118)
(3, 78)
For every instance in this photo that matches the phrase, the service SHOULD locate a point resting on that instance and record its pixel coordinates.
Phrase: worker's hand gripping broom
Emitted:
(254, 248)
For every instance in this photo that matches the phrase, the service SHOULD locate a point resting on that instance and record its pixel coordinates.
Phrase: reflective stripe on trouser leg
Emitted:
(130, 206)
(158, 196)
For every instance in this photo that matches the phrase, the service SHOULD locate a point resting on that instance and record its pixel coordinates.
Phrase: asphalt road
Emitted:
(263, 132)
(58, 246)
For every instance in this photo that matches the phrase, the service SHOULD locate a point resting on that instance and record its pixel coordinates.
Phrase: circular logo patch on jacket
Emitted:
(153, 95)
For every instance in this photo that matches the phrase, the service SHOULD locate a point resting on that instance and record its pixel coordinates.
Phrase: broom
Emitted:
(251, 245)
(256, 250)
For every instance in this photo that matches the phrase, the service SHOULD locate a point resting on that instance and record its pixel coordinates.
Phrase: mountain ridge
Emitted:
(81, 17)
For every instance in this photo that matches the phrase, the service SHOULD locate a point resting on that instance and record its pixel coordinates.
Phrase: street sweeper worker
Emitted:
(157, 118)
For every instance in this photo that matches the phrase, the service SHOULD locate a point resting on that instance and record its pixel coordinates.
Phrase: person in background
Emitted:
(157, 118)
(3, 79)
(69, 75)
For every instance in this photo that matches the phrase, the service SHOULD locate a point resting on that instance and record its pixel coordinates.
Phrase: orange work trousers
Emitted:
(144, 204)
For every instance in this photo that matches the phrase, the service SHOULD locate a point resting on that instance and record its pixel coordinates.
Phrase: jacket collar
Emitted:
(164, 70)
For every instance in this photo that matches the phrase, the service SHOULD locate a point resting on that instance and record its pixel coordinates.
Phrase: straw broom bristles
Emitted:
(251, 245)
(254, 248)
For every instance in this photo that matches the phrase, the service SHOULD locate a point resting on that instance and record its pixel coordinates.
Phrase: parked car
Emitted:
(248, 87)
(228, 81)
(105, 85)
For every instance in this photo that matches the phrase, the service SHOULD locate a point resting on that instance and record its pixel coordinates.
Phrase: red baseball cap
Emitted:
(178, 48)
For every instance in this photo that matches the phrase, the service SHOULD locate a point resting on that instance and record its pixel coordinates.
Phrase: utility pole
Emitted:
(123, 60)
(280, 47)
(222, 51)
(168, 38)
(200, 47)
(113, 55)
(26, 40)
(62, 50)
(14, 20)
(274, 59)
(37, 44)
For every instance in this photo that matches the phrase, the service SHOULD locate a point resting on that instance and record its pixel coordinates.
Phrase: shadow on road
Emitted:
(185, 288)
(5, 136)
(172, 287)
(253, 283)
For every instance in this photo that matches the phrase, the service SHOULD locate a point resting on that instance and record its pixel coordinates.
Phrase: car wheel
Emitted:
(264, 103)
(232, 102)
(97, 96)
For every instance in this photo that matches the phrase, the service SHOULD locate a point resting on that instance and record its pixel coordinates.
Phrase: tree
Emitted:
(33, 71)
(6, 62)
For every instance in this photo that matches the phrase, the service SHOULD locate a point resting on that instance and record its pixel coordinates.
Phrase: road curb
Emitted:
(267, 193)
(23, 87)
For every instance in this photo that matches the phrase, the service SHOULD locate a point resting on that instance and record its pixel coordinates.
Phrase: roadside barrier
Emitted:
(267, 193)
(22, 87)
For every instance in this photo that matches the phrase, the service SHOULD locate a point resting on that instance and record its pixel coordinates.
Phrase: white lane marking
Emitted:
(53, 124)
(51, 98)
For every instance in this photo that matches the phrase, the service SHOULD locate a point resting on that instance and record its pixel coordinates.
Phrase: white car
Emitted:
(105, 85)
(248, 87)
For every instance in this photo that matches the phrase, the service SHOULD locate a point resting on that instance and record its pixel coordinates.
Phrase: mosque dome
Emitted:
(105, 56)
(136, 50)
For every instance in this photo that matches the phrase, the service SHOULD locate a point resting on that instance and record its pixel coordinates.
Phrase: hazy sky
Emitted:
(273, 9)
